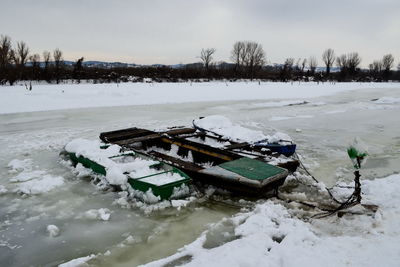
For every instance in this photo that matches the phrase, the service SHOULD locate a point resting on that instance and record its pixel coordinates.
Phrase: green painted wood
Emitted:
(251, 168)
(164, 191)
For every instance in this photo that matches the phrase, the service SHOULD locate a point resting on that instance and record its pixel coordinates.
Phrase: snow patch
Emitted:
(99, 214)
(272, 235)
(17, 165)
(72, 96)
(40, 185)
(53, 230)
(79, 262)
(26, 176)
(387, 100)
(222, 126)
(3, 190)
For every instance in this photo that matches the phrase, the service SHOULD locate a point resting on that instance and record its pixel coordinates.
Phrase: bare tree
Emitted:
(249, 56)
(376, 66)
(5, 51)
(6, 59)
(21, 54)
(348, 63)
(289, 62)
(387, 62)
(46, 58)
(354, 61)
(328, 57)
(207, 56)
(312, 64)
(57, 55)
(35, 59)
(237, 54)
(342, 62)
(287, 69)
(303, 65)
(78, 69)
(254, 58)
(58, 61)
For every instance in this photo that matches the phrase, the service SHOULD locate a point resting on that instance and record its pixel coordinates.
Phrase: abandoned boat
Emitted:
(223, 128)
(237, 167)
(119, 167)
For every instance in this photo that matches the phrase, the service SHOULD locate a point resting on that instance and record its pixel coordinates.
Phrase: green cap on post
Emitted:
(357, 153)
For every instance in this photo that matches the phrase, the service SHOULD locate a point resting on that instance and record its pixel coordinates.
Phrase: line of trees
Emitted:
(248, 62)
(17, 64)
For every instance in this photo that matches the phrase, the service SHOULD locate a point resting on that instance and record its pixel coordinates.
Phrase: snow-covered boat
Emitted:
(223, 128)
(230, 165)
(154, 178)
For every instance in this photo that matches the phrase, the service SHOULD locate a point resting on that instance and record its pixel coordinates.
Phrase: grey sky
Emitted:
(172, 31)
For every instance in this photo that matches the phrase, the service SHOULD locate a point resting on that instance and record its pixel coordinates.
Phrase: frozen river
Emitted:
(322, 127)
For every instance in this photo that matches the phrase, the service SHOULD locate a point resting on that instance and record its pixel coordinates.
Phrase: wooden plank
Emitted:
(176, 162)
(180, 131)
(138, 139)
(200, 148)
(123, 134)
(237, 145)
(132, 135)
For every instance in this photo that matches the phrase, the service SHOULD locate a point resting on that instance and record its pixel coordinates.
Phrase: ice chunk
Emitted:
(115, 176)
(19, 165)
(3, 190)
(40, 185)
(53, 230)
(100, 214)
(26, 176)
(79, 262)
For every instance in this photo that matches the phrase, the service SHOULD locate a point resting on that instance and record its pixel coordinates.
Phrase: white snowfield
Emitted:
(271, 236)
(15, 99)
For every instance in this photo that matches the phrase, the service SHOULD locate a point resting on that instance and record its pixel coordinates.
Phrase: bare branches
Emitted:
(34, 59)
(354, 61)
(46, 58)
(237, 54)
(5, 51)
(312, 64)
(58, 61)
(249, 56)
(207, 56)
(21, 54)
(387, 62)
(328, 57)
(57, 55)
(348, 64)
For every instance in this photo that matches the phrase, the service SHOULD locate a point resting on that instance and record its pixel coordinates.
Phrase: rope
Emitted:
(352, 200)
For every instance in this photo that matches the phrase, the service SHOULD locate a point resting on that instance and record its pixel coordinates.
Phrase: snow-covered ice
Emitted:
(53, 230)
(272, 235)
(387, 100)
(225, 128)
(79, 262)
(214, 226)
(100, 214)
(70, 96)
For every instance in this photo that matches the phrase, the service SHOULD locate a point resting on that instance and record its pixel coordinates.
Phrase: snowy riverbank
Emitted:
(17, 99)
(272, 235)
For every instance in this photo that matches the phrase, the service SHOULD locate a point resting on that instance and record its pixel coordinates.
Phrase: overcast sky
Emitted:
(174, 31)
